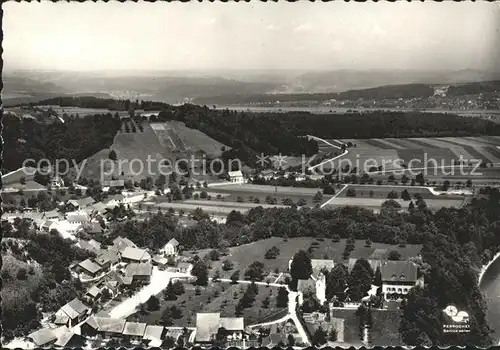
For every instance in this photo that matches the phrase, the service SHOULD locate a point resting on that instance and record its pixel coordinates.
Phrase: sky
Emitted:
(256, 35)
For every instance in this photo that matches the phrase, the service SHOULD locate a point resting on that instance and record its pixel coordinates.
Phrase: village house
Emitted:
(78, 217)
(107, 258)
(48, 225)
(115, 200)
(67, 338)
(93, 294)
(207, 326)
(154, 335)
(139, 271)
(51, 215)
(75, 310)
(88, 267)
(116, 184)
(42, 337)
(170, 249)
(91, 246)
(130, 254)
(210, 327)
(134, 331)
(184, 267)
(160, 261)
(232, 329)
(120, 243)
(94, 228)
(398, 277)
(236, 176)
(82, 203)
(105, 327)
(97, 208)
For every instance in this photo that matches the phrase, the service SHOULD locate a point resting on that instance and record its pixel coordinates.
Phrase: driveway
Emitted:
(159, 281)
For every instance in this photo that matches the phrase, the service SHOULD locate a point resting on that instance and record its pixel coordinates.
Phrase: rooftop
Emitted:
(135, 254)
(42, 336)
(173, 242)
(139, 269)
(207, 325)
(153, 332)
(398, 271)
(232, 323)
(74, 308)
(134, 329)
(90, 266)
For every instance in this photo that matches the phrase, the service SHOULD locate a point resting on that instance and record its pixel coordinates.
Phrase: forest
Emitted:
(76, 139)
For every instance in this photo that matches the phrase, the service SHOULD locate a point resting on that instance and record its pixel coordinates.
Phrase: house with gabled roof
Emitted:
(134, 331)
(171, 248)
(42, 337)
(76, 310)
(131, 254)
(398, 277)
(107, 327)
(88, 267)
(120, 243)
(154, 335)
(107, 258)
(139, 271)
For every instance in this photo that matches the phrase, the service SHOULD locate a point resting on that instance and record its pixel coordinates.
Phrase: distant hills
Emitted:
(212, 86)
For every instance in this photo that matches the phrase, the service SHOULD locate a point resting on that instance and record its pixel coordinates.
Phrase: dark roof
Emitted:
(398, 271)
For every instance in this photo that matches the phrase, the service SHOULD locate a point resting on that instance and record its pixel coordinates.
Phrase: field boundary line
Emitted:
(329, 144)
(334, 196)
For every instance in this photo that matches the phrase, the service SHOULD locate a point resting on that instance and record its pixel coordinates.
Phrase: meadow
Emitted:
(244, 255)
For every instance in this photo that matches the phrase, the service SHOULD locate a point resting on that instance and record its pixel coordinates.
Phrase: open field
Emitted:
(242, 256)
(418, 152)
(185, 139)
(249, 191)
(211, 207)
(381, 192)
(81, 112)
(376, 203)
(216, 297)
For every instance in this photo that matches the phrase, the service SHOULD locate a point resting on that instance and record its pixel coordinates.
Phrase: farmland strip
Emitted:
(494, 151)
(487, 155)
(482, 140)
(423, 143)
(402, 143)
(378, 144)
(476, 154)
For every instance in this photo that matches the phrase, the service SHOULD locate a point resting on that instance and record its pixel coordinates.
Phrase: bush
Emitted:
(272, 253)
(351, 192)
(21, 274)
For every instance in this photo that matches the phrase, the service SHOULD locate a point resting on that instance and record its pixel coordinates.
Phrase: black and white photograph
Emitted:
(250, 174)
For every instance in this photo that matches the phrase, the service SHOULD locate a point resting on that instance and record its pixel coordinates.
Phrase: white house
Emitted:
(236, 176)
(115, 201)
(171, 248)
(78, 217)
(398, 277)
